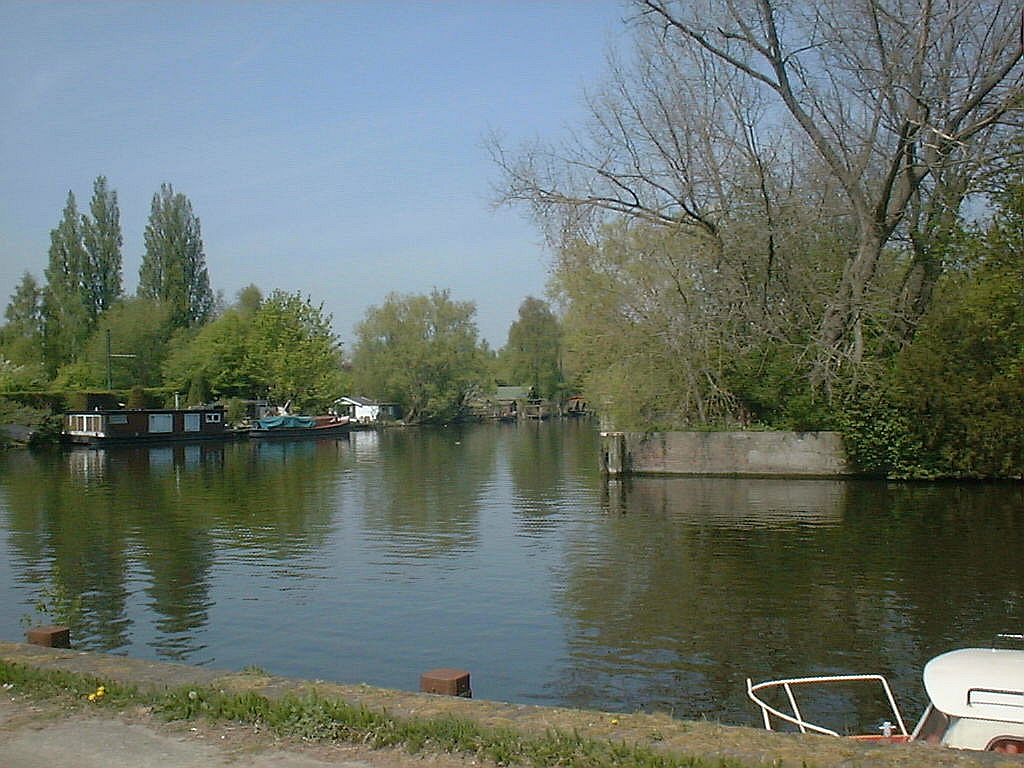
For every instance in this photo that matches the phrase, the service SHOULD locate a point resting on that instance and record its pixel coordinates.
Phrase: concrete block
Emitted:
(50, 637)
(448, 682)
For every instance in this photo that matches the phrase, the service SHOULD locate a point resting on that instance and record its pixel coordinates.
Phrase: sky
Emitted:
(336, 149)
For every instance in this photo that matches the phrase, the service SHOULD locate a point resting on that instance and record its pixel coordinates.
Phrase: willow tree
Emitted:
(892, 107)
(421, 351)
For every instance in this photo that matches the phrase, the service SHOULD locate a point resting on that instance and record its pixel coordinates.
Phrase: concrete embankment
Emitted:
(710, 741)
(730, 454)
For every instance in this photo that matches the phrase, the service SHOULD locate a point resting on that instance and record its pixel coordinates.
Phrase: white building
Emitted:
(358, 409)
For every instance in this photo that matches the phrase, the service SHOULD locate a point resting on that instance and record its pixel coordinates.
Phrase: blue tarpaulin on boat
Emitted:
(284, 422)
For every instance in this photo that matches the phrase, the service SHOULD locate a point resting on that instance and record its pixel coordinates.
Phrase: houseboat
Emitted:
(144, 425)
(975, 701)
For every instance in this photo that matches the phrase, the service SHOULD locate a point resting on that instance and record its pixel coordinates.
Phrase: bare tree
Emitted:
(662, 144)
(901, 102)
(900, 98)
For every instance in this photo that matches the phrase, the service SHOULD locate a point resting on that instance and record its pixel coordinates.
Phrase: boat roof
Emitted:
(983, 683)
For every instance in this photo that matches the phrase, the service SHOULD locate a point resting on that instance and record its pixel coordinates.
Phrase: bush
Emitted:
(952, 403)
(45, 426)
(880, 436)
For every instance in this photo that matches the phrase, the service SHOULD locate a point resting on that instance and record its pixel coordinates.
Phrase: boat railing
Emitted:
(899, 732)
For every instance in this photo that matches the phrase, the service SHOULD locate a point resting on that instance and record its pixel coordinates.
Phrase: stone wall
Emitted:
(796, 454)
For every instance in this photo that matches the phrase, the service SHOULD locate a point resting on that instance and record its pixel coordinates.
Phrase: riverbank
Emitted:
(141, 696)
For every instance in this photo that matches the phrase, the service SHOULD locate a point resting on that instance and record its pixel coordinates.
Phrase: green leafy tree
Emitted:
(173, 269)
(421, 352)
(21, 337)
(293, 353)
(138, 327)
(66, 315)
(962, 380)
(101, 237)
(248, 300)
(214, 362)
(952, 405)
(20, 376)
(533, 353)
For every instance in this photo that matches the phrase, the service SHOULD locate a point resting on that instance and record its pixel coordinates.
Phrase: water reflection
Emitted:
(144, 526)
(499, 548)
(735, 503)
(424, 500)
(693, 584)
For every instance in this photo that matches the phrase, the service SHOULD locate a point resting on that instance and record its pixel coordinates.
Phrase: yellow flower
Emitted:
(615, 721)
(92, 697)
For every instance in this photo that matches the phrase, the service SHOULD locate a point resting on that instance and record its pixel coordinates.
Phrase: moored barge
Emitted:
(144, 425)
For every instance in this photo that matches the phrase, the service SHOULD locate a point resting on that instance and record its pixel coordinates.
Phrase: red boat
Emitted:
(300, 426)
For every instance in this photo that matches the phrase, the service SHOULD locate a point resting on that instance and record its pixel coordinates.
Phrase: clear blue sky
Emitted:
(330, 148)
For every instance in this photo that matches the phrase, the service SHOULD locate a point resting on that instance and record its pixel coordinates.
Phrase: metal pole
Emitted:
(110, 386)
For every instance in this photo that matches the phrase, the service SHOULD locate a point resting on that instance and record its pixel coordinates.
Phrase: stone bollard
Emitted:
(448, 682)
(50, 637)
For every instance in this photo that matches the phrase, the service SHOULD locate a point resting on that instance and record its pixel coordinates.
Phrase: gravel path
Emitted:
(45, 735)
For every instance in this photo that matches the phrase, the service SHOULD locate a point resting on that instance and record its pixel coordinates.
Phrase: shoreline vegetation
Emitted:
(314, 718)
(732, 247)
(498, 734)
(944, 404)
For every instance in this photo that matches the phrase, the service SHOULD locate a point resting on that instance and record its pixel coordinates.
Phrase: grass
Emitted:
(316, 718)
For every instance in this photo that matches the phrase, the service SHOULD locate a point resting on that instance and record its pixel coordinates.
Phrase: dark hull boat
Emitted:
(300, 427)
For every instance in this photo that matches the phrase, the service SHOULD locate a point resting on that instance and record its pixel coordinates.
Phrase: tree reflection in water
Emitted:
(501, 549)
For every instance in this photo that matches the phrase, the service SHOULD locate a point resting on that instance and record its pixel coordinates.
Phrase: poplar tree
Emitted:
(66, 317)
(173, 268)
(101, 238)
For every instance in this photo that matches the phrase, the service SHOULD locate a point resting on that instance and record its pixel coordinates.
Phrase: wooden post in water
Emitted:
(613, 454)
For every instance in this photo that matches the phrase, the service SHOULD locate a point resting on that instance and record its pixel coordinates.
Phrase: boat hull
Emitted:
(95, 440)
(336, 430)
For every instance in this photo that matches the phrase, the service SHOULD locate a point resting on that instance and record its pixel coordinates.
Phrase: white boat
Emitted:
(975, 695)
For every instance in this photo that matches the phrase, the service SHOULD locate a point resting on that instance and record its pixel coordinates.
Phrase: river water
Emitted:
(501, 550)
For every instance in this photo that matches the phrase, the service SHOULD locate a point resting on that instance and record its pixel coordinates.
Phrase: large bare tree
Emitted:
(901, 102)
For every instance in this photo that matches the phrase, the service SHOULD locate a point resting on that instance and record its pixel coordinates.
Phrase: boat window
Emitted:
(985, 696)
(213, 418)
(192, 422)
(1006, 746)
(92, 422)
(933, 727)
(118, 418)
(161, 422)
